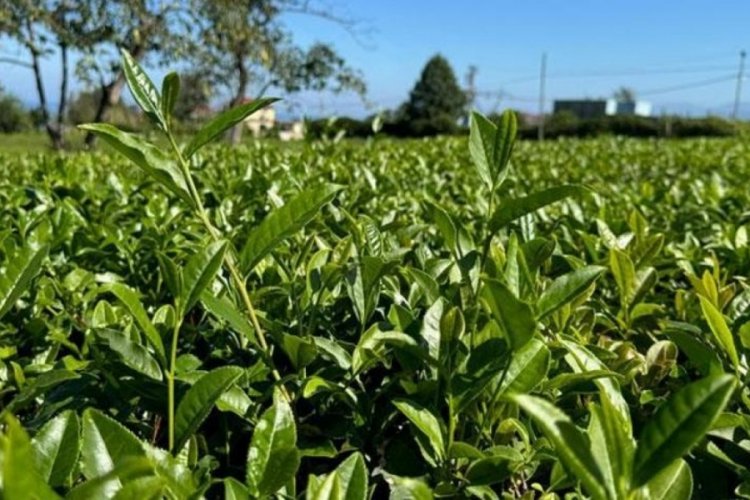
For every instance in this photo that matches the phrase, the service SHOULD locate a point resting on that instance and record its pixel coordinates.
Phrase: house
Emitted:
(261, 121)
(294, 131)
(595, 108)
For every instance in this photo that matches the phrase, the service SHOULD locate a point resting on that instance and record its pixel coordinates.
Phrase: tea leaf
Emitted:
(571, 444)
(566, 288)
(273, 458)
(515, 208)
(426, 422)
(679, 424)
(199, 272)
(224, 122)
(143, 90)
(284, 222)
(514, 316)
(198, 401)
(146, 156)
(57, 447)
(19, 270)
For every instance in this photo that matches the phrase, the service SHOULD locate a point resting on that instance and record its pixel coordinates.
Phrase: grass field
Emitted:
(406, 321)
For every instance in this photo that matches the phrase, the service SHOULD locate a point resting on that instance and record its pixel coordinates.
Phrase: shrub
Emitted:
(13, 116)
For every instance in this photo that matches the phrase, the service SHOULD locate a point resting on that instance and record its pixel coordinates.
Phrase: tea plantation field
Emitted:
(419, 319)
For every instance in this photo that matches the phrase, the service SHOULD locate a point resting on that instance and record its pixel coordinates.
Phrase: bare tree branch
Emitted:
(360, 31)
(17, 62)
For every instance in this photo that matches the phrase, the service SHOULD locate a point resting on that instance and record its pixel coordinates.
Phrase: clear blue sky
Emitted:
(593, 47)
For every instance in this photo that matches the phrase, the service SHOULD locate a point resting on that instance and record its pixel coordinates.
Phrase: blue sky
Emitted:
(593, 47)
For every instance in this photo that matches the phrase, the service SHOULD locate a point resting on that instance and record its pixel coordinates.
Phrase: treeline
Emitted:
(629, 126)
(232, 48)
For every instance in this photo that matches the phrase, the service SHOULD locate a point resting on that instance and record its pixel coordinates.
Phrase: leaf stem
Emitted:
(170, 381)
(229, 263)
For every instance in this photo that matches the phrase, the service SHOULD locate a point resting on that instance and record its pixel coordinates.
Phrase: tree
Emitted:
(40, 27)
(195, 95)
(248, 49)
(437, 101)
(13, 117)
(142, 27)
(625, 94)
(84, 106)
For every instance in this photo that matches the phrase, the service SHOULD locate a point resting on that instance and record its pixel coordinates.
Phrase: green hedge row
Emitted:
(556, 126)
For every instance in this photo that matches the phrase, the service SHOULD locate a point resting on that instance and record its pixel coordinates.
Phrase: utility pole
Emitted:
(471, 90)
(542, 78)
(738, 88)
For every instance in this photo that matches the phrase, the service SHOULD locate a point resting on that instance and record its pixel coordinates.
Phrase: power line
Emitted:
(687, 86)
(618, 73)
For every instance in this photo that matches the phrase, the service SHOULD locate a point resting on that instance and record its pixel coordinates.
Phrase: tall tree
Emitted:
(195, 95)
(145, 28)
(436, 98)
(625, 94)
(42, 28)
(248, 49)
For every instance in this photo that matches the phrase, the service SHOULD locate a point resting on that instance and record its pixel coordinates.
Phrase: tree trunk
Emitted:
(63, 104)
(242, 82)
(52, 131)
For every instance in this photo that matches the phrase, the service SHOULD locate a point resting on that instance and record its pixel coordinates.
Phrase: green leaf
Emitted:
(143, 89)
(675, 482)
(332, 349)
(490, 146)
(326, 488)
(170, 92)
(373, 344)
(40, 385)
(514, 316)
(133, 355)
(407, 488)
(21, 479)
(721, 332)
(273, 458)
(223, 122)
(235, 490)
(514, 208)
(107, 485)
(571, 444)
(702, 356)
(623, 271)
(132, 301)
(352, 478)
(566, 288)
(57, 447)
(200, 272)
(146, 156)
(16, 277)
(430, 331)
(284, 222)
(679, 424)
(170, 273)
(106, 444)
(142, 488)
(582, 360)
(489, 470)
(223, 308)
(612, 446)
(528, 368)
(427, 423)
(198, 401)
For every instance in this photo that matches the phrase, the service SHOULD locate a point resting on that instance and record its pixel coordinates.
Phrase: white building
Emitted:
(294, 131)
(261, 121)
(594, 108)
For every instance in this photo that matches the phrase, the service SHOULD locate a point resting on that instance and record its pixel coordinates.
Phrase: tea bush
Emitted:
(435, 318)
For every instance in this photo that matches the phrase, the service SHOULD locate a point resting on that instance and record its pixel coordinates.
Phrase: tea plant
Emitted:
(412, 320)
